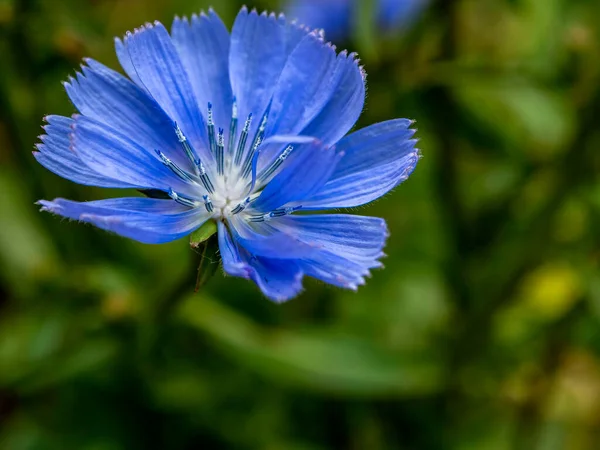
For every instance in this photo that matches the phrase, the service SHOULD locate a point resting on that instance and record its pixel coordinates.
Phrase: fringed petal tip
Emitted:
(46, 206)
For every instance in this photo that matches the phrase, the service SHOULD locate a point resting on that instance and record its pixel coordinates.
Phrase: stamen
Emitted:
(175, 168)
(211, 129)
(248, 163)
(220, 152)
(242, 142)
(204, 177)
(255, 144)
(276, 164)
(240, 207)
(182, 199)
(275, 213)
(187, 147)
(233, 126)
(208, 203)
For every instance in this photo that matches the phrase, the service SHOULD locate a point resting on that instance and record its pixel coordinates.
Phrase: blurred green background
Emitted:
(482, 332)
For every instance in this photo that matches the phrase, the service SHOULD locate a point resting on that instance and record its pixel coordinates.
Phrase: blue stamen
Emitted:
(204, 179)
(243, 139)
(233, 126)
(239, 208)
(255, 144)
(220, 154)
(208, 203)
(264, 176)
(182, 199)
(175, 168)
(275, 213)
(187, 147)
(211, 130)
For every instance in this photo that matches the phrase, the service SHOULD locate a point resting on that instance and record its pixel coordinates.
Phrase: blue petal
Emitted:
(162, 73)
(349, 245)
(261, 239)
(304, 86)
(230, 256)
(147, 220)
(279, 280)
(305, 172)
(126, 64)
(55, 154)
(106, 96)
(375, 160)
(294, 33)
(203, 46)
(117, 156)
(345, 104)
(257, 57)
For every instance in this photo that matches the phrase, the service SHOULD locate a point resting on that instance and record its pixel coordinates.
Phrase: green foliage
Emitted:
(482, 332)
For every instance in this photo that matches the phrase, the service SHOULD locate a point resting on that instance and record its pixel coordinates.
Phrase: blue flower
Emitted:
(336, 17)
(246, 129)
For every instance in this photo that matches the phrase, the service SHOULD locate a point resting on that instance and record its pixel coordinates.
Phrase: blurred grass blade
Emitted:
(319, 360)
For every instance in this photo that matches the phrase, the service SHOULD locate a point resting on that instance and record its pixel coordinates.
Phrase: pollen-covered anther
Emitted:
(247, 166)
(241, 206)
(243, 138)
(276, 164)
(182, 199)
(233, 126)
(204, 179)
(208, 203)
(175, 168)
(275, 213)
(220, 152)
(187, 147)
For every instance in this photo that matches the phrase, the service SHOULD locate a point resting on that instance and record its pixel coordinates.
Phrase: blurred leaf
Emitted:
(94, 357)
(26, 252)
(35, 352)
(526, 116)
(313, 359)
(364, 18)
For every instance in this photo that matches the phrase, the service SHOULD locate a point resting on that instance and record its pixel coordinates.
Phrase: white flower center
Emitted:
(228, 188)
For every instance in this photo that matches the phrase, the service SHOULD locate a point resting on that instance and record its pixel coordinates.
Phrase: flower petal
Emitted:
(147, 220)
(304, 86)
(278, 280)
(106, 96)
(203, 46)
(162, 73)
(257, 57)
(126, 64)
(306, 171)
(376, 159)
(261, 239)
(294, 33)
(347, 99)
(348, 245)
(117, 156)
(230, 256)
(54, 154)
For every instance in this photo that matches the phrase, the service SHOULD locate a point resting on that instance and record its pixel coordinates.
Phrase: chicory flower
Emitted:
(245, 129)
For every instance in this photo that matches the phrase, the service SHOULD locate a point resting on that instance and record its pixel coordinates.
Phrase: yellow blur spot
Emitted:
(117, 306)
(551, 290)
